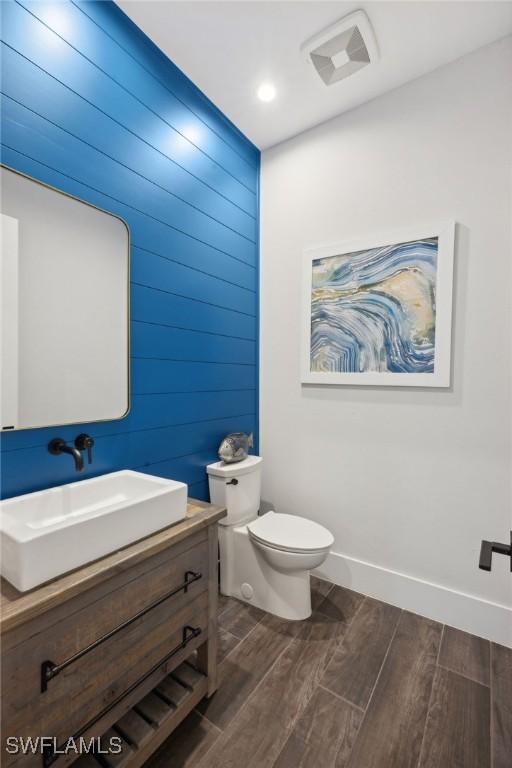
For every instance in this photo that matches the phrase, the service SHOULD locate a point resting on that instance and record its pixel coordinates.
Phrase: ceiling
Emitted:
(229, 48)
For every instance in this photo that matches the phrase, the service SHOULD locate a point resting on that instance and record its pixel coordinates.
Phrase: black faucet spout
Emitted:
(58, 446)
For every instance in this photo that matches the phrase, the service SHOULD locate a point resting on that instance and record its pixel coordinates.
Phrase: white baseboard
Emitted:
(492, 621)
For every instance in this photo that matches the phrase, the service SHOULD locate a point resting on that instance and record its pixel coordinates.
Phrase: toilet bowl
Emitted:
(264, 560)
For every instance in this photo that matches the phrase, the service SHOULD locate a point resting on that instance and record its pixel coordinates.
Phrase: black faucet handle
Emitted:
(85, 442)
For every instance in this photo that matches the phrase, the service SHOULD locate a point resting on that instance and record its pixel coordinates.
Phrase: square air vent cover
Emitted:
(343, 48)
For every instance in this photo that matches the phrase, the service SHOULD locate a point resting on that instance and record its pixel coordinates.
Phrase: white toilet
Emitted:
(264, 560)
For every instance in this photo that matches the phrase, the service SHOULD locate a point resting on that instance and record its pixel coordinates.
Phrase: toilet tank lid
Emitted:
(221, 469)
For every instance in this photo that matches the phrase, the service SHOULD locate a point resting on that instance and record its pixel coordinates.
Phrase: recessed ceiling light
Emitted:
(266, 92)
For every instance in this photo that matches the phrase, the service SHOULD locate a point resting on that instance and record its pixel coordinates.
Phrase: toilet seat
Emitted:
(290, 533)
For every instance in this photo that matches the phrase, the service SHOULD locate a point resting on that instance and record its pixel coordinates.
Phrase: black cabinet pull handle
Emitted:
(49, 669)
(488, 547)
(189, 633)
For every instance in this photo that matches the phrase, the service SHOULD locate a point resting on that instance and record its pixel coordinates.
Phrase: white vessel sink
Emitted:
(47, 533)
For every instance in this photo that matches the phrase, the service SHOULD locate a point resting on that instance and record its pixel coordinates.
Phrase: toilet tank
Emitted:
(242, 498)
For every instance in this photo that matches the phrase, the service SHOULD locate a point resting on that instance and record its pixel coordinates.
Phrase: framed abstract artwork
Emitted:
(378, 311)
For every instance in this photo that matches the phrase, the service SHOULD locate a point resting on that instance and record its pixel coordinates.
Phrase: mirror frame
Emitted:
(6, 431)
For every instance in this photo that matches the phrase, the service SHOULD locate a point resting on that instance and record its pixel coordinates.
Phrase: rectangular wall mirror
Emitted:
(64, 308)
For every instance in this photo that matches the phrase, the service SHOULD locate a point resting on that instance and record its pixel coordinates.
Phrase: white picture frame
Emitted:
(440, 373)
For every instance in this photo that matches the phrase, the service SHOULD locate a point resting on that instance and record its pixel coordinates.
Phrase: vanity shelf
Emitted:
(148, 724)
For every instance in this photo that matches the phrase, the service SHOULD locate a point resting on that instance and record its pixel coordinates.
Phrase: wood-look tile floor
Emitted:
(361, 684)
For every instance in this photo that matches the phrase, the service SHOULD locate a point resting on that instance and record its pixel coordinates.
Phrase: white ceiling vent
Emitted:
(343, 48)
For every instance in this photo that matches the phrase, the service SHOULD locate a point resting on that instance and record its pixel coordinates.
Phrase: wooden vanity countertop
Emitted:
(18, 607)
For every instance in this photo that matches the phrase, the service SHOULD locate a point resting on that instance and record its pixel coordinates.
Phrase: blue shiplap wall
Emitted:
(92, 107)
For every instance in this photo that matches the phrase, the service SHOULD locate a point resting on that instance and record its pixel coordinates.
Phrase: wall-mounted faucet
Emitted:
(82, 443)
(58, 446)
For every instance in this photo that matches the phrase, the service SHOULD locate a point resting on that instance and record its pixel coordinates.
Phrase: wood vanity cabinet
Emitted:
(124, 647)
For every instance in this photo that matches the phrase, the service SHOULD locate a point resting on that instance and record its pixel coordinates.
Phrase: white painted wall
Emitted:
(409, 481)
